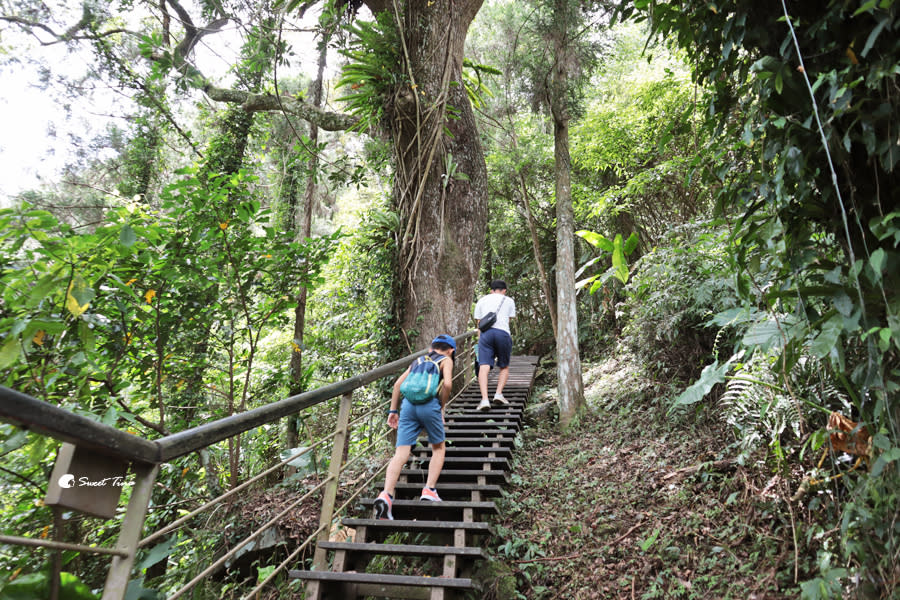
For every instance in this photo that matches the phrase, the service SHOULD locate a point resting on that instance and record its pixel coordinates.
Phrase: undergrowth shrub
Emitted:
(763, 409)
(673, 291)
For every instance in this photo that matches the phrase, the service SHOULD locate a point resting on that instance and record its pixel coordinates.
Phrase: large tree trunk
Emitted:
(443, 218)
(571, 386)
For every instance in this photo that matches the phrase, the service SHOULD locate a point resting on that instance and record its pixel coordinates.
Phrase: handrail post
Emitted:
(334, 472)
(130, 534)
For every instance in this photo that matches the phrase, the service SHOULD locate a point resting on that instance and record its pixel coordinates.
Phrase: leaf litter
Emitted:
(632, 504)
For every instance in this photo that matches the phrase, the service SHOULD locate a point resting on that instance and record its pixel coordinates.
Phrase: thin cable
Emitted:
(834, 181)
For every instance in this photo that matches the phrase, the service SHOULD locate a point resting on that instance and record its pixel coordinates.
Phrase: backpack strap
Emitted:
(436, 358)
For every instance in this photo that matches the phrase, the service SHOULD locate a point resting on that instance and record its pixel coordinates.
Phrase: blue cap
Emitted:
(445, 339)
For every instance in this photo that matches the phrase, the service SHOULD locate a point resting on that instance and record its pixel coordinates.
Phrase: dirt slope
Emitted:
(635, 504)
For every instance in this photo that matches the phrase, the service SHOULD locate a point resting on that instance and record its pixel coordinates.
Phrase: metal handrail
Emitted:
(146, 455)
(61, 424)
(52, 421)
(36, 543)
(175, 524)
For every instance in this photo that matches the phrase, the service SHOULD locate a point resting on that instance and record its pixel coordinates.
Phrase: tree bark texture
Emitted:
(443, 218)
(571, 386)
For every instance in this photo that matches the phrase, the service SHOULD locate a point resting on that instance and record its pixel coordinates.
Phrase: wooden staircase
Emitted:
(436, 545)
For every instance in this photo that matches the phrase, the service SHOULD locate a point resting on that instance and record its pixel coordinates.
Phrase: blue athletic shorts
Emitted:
(416, 417)
(494, 343)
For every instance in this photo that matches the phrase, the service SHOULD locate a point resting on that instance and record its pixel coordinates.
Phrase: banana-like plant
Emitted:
(620, 248)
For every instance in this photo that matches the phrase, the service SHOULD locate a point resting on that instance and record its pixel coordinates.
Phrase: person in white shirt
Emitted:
(495, 342)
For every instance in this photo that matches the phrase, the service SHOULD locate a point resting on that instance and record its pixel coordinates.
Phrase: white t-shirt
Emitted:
(492, 303)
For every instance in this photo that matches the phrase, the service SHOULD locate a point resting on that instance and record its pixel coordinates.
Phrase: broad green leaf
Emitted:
(595, 239)
(828, 337)
(137, 591)
(14, 442)
(631, 244)
(110, 417)
(765, 333)
(78, 297)
(157, 553)
(41, 289)
(618, 259)
(127, 236)
(876, 261)
(887, 457)
(868, 6)
(712, 374)
(9, 352)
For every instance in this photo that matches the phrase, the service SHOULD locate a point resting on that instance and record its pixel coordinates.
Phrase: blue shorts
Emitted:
(494, 343)
(416, 417)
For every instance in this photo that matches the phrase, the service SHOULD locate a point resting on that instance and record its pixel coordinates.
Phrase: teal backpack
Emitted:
(424, 379)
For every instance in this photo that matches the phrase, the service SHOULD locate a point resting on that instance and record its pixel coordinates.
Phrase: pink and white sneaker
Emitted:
(383, 504)
(430, 494)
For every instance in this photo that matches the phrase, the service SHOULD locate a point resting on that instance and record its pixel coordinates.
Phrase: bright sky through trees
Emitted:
(41, 126)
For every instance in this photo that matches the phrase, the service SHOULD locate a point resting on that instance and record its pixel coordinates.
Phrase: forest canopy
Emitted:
(288, 193)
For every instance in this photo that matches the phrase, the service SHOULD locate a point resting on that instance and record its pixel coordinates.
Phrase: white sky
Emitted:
(34, 128)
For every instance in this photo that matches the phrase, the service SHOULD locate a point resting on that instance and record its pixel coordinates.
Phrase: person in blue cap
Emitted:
(410, 418)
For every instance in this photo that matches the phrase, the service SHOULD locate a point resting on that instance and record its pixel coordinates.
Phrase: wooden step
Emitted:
(381, 579)
(474, 418)
(446, 510)
(471, 407)
(458, 533)
(489, 424)
(449, 491)
(474, 398)
(454, 411)
(451, 432)
(464, 451)
(482, 441)
(458, 475)
(404, 549)
(465, 462)
(416, 526)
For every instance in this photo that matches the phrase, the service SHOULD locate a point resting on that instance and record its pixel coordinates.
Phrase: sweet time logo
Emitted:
(68, 481)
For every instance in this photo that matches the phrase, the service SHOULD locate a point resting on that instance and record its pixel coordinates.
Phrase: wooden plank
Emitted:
(481, 507)
(450, 491)
(483, 442)
(448, 475)
(381, 578)
(404, 549)
(501, 461)
(453, 431)
(466, 451)
(418, 526)
(447, 510)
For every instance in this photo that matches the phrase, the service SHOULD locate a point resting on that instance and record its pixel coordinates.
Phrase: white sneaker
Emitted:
(499, 399)
(484, 404)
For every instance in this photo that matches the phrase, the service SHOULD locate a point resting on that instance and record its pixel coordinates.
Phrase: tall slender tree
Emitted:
(566, 74)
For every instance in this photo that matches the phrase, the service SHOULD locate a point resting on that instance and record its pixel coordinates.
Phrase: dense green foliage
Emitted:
(813, 184)
(736, 193)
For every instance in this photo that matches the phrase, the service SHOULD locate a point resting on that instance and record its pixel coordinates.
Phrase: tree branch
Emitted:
(327, 120)
(71, 34)
(33, 483)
